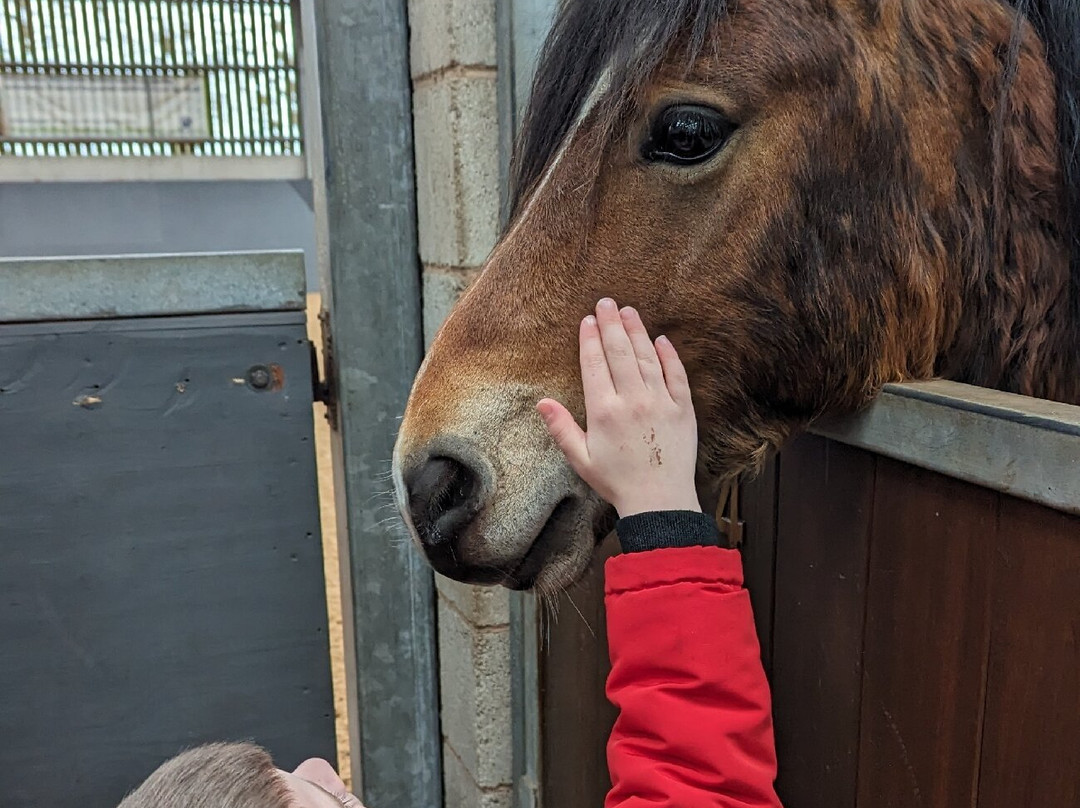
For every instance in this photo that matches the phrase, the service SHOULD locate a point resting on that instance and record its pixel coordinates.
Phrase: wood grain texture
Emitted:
(926, 643)
(1031, 741)
(576, 717)
(331, 554)
(823, 527)
(927, 633)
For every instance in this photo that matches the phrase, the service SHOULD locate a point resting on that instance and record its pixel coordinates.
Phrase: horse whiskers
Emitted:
(582, 616)
(551, 601)
(549, 613)
(386, 497)
(549, 598)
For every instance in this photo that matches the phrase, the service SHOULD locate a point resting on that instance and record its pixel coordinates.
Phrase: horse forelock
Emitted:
(631, 40)
(628, 39)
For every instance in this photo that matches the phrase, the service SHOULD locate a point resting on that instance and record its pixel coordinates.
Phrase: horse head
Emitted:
(811, 198)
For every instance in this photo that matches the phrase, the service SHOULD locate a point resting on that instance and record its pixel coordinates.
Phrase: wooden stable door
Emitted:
(922, 637)
(926, 639)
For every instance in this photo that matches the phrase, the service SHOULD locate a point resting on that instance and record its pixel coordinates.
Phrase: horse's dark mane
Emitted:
(633, 37)
(1058, 25)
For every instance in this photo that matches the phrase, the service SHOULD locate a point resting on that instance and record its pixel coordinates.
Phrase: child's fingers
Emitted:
(595, 376)
(648, 362)
(674, 373)
(617, 348)
(566, 433)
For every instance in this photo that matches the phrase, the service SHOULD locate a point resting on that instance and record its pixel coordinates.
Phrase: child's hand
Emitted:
(641, 446)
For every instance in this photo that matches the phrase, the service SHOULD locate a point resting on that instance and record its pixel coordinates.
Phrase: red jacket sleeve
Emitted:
(695, 719)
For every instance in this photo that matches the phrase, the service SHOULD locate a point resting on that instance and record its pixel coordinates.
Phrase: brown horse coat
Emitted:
(812, 198)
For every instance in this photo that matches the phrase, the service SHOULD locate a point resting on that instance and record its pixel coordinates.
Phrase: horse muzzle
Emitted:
(480, 526)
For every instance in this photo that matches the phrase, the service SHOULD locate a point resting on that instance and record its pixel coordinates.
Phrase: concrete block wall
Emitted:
(455, 126)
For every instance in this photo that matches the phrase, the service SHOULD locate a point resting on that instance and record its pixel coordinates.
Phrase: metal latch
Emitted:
(324, 387)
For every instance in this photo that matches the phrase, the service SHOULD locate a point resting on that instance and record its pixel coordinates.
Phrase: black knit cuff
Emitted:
(654, 530)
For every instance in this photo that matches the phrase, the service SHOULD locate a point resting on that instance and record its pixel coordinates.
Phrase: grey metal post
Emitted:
(373, 296)
(521, 26)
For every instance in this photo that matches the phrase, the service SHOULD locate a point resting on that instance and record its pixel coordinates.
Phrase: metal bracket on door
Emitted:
(325, 386)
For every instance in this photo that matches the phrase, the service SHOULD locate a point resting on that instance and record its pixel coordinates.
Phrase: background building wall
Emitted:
(456, 126)
(96, 218)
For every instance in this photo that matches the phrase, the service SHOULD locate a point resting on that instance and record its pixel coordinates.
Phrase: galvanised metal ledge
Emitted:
(172, 168)
(105, 287)
(1024, 447)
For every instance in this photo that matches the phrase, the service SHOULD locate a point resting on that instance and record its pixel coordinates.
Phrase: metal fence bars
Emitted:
(149, 77)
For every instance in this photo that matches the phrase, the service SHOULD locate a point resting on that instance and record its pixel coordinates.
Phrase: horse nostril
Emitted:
(443, 499)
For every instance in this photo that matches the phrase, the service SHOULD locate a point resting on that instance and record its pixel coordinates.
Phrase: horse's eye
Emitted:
(686, 134)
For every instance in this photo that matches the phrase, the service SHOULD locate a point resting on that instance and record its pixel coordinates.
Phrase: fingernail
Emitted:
(628, 311)
(590, 320)
(663, 338)
(606, 303)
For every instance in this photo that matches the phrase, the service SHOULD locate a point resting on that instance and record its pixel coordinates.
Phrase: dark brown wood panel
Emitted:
(927, 631)
(823, 525)
(576, 715)
(925, 639)
(1031, 746)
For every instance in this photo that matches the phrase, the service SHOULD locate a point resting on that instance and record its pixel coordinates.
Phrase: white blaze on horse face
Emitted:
(531, 474)
(599, 90)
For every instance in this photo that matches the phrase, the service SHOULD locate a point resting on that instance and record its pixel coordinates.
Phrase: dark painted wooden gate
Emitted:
(161, 580)
(921, 632)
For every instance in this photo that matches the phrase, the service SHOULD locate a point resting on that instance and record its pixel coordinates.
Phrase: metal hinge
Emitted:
(325, 386)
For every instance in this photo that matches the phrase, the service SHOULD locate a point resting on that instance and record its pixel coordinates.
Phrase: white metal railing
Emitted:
(149, 78)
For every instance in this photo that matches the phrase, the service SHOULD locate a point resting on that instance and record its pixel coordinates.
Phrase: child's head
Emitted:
(239, 775)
